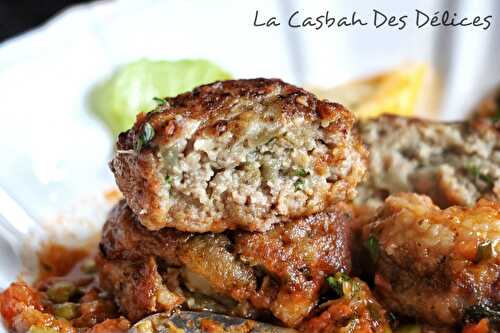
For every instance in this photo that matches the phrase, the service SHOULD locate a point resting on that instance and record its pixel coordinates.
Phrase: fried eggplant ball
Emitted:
(453, 163)
(242, 154)
(441, 267)
(279, 273)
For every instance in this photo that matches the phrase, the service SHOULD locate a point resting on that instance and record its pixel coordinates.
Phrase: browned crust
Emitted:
(135, 172)
(137, 287)
(123, 237)
(434, 283)
(213, 101)
(296, 257)
(281, 250)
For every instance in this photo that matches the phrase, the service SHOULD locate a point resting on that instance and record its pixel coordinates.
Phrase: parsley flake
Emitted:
(299, 184)
(336, 282)
(302, 173)
(160, 101)
(474, 171)
(372, 245)
(148, 133)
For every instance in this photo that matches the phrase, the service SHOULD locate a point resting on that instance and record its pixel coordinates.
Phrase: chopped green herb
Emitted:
(392, 318)
(487, 179)
(474, 171)
(337, 281)
(168, 179)
(148, 133)
(484, 251)
(299, 184)
(270, 140)
(372, 245)
(302, 173)
(160, 101)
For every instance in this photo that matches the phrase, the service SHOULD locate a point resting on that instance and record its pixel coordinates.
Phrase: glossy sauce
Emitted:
(66, 297)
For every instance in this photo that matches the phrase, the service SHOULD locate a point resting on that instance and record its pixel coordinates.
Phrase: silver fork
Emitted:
(192, 322)
(15, 225)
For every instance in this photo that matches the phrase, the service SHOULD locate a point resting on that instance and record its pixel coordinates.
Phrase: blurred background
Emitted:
(53, 55)
(17, 16)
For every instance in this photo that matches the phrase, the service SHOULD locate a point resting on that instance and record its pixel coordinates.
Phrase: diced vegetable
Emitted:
(337, 281)
(66, 310)
(141, 86)
(61, 291)
(484, 251)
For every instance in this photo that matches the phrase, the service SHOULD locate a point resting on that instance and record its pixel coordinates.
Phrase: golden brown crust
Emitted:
(212, 103)
(211, 111)
(281, 271)
(124, 238)
(137, 287)
(434, 264)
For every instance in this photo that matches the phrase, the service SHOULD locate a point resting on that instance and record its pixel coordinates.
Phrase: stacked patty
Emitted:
(280, 272)
(233, 202)
(238, 154)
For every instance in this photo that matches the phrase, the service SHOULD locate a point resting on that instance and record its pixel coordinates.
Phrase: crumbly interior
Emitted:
(450, 162)
(265, 170)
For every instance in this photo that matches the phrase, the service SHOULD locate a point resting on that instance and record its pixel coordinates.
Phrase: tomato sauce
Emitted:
(66, 297)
